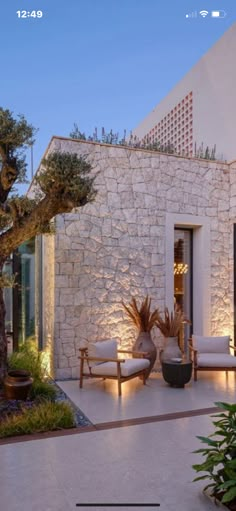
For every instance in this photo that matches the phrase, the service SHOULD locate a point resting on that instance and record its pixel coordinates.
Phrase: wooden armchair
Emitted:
(211, 354)
(100, 360)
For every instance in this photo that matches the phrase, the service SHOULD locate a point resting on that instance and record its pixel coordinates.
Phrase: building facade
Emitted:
(201, 108)
(161, 225)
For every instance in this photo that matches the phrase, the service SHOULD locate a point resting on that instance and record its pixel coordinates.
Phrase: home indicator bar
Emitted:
(126, 504)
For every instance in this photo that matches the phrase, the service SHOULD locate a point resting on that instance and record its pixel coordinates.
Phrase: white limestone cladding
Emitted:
(121, 245)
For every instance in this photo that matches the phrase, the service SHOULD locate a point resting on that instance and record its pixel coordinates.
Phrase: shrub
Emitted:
(41, 389)
(46, 416)
(220, 456)
(29, 359)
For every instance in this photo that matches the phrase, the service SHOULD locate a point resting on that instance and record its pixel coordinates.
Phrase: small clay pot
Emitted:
(17, 384)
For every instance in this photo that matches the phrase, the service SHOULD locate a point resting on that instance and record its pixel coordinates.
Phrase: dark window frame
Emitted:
(190, 230)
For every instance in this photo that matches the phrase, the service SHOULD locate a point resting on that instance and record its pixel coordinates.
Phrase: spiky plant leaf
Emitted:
(141, 316)
(170, 325)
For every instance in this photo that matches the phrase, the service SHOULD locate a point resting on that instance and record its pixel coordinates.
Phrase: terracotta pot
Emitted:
(171, 349)
(17, 384)
(144, 342)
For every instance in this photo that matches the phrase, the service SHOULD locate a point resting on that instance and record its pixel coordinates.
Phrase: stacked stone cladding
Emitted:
(114, 248)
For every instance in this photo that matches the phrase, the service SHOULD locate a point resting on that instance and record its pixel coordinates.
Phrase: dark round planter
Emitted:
(177, 374)
(17, 384)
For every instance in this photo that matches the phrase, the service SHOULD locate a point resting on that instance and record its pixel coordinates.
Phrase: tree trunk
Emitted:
(3, 337)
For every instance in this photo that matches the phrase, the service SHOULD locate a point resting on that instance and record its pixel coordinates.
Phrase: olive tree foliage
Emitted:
(63, 183)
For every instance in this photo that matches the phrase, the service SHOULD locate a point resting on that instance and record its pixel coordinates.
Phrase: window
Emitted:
(20, 300)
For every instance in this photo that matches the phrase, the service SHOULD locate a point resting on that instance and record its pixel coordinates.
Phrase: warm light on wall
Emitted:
(180, 268)
(46, 360)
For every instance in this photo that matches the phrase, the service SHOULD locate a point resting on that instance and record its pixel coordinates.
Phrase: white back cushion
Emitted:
(106, 349)
(211, 344)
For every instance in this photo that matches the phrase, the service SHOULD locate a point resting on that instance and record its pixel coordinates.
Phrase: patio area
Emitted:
(100, 403)
(136, 463)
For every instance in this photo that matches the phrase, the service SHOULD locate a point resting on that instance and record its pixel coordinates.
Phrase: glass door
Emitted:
(183, 291)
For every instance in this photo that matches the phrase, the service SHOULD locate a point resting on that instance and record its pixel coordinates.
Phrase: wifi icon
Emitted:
(204, 13)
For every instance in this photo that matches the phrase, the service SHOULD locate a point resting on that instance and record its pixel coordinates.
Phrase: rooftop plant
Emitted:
(111, 137)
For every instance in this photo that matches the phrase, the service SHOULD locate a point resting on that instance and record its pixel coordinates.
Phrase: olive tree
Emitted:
(63, 183)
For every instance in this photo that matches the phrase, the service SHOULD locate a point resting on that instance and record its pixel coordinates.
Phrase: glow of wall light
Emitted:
(46, 360)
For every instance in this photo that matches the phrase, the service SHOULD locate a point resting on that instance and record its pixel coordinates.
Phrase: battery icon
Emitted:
(218, 14)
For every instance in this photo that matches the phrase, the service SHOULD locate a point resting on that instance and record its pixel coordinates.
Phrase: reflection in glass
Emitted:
(8, 298)
(183, 279)
(26, 291)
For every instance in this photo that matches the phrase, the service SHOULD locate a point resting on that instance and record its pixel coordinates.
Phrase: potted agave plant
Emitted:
(170, 325)
(144, 320)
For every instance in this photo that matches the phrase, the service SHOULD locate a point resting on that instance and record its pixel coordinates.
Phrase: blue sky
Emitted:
(99, 62)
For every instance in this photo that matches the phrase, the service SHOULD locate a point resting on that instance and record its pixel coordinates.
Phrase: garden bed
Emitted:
(40, 415)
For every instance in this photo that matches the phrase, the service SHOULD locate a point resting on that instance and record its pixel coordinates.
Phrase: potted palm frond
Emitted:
(170, 325)
(144, 320)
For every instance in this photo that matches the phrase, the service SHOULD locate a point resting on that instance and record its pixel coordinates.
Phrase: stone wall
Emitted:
(115, 247)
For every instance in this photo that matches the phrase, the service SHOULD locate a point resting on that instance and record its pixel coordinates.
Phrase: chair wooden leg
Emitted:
(119, 387)
(119, 378)
(144, 378)
(195, 373)
(81, 374)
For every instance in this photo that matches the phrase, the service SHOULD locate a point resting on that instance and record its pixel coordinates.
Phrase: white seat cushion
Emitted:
(216, 360)
(102, 349)
(129, 367)
(211, 344)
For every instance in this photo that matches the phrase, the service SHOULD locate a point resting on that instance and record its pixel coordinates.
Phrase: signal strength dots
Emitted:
(191, 15)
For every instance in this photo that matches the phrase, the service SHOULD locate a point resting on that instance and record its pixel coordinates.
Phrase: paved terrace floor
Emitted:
(144, 463)
(99, 400)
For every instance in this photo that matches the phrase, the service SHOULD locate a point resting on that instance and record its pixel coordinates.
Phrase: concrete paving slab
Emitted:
(100, 403)
(147, 463)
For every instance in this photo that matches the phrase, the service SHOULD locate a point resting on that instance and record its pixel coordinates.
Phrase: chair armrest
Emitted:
(141, 354)
(101, 359)
(233, 347)
(136, 353)
(192, 348)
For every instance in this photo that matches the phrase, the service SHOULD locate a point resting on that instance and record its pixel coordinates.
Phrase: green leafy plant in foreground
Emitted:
(46, 416)
(220, 456)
